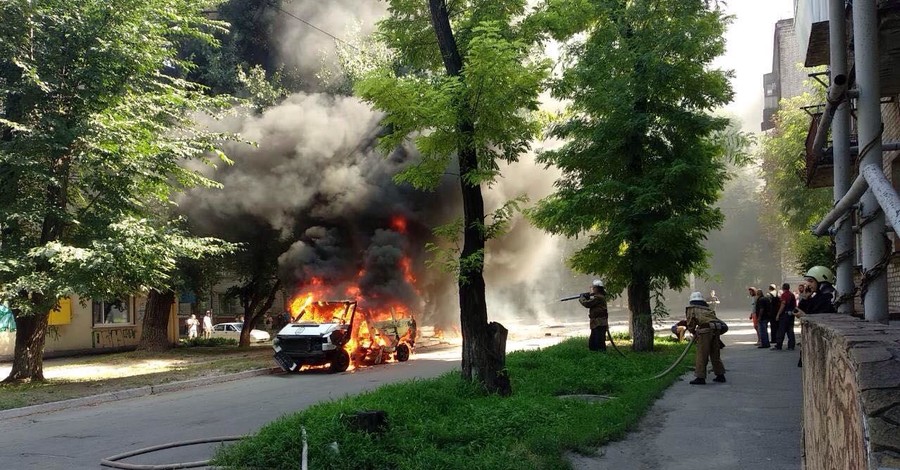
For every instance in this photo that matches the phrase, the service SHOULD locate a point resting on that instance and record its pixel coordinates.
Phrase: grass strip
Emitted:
(445, 423)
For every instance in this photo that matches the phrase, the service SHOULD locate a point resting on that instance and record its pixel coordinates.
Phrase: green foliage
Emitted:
(644, 160)
(497, 91)
(446, 252)
(207, 342)
(791, 208)
(263, 92)
(451, 424)
(782, 152)
(95, 140)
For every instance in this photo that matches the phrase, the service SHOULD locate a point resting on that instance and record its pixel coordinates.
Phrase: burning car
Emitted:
(331, 332)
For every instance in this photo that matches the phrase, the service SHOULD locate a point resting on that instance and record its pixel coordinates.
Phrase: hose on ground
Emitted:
(113, 462)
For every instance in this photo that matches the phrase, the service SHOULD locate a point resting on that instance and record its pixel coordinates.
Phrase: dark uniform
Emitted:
(703, 324)
(599, 316)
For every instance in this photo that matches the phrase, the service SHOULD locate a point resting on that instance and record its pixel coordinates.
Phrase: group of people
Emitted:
(772, 312)
(193, 325)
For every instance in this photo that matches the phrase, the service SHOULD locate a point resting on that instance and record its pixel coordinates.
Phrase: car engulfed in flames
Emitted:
(341, 334)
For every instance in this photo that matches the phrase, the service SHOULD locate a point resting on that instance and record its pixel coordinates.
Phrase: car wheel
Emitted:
(402, 353)
(341, 362)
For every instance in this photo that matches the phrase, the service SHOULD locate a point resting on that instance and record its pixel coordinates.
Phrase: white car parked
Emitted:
(233, 330)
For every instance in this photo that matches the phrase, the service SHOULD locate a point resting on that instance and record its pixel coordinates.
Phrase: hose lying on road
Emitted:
(112, 462)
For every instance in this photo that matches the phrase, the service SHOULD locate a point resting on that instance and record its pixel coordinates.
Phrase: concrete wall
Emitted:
(851, 390)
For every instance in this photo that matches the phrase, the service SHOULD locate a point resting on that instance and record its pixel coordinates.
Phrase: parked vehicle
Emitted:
(232, 330)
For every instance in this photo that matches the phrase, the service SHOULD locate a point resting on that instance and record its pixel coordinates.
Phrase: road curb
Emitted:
(133, 393)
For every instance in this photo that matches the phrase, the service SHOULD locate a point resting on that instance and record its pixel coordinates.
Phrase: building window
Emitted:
(112, 312)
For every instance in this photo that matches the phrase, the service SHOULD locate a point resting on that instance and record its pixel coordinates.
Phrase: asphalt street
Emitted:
(78, 438)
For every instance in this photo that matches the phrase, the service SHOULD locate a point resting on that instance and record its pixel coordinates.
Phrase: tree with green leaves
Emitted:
(791, 208)
(643, 162)
(95, 130)
(468, 87)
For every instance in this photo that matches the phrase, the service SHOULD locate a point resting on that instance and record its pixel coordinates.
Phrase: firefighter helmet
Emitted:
(697, 296)
(820, 274)
(597, 283)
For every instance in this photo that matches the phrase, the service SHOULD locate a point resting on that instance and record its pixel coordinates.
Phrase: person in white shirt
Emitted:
(207, 325)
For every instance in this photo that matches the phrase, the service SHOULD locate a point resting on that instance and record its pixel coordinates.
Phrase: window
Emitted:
(112, 312)
(219, 328)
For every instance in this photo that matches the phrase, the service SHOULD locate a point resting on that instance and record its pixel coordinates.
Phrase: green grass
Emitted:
(444, 423)
(207, 342)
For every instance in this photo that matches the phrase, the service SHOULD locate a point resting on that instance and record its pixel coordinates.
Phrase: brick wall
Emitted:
(791, 73)
(851, 391)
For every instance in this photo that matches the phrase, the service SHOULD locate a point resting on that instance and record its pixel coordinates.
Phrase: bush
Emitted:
(447, 423)
(207, 342)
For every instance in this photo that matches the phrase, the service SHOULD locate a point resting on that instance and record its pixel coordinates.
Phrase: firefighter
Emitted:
(706, 327)
(820, 282)
(595, 302)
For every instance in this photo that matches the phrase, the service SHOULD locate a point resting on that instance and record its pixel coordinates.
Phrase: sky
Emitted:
(749, 54)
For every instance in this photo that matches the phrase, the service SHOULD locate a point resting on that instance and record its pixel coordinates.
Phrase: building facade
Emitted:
(81, 326)
(789, 76)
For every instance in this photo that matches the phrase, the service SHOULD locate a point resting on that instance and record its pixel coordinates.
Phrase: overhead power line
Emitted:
(307, 23)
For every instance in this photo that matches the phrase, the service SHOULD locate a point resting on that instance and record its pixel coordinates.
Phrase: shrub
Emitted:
(207, 342)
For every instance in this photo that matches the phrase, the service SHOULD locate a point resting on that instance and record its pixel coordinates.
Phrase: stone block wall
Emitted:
(851, 390)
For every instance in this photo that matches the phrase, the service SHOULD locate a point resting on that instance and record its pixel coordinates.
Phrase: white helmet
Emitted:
(695, 296)
(820, 274)
(597, 283)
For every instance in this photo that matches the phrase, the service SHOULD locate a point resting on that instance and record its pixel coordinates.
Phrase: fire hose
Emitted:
(113, 462)
(677, 361)
(609, 335)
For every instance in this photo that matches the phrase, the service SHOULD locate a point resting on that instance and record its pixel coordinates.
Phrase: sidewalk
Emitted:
(753, 421)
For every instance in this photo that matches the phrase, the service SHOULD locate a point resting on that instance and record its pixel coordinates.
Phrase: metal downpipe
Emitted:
(865, 48)
(840, 132)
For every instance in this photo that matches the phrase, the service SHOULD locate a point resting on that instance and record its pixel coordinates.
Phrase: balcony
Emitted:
(811, 23)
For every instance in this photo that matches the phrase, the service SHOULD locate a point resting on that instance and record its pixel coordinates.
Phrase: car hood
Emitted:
(310, 329)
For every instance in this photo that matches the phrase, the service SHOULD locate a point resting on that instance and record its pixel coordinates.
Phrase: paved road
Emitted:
(78, 438)
(753, 421)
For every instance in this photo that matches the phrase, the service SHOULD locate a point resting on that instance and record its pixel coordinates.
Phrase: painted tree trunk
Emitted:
(155, 327)
(484, 346)
(641, 314)
(28, 358)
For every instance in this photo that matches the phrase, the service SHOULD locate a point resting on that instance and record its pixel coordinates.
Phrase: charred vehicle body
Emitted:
(344, 340)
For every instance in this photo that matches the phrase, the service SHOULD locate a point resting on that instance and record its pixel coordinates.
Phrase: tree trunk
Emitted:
(252, 315)
(28, 358)
(155, 326)
(484, 346)
(641, 314)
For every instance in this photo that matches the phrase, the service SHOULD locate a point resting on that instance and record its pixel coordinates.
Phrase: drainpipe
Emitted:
(840, 134)
(865, 48)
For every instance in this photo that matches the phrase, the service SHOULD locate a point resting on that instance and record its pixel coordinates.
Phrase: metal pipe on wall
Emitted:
(885, 194)
(852, 196)
(865, 49)
(837, 94)
(840, 132)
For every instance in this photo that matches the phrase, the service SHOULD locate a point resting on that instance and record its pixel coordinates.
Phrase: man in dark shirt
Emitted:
(785, 318)
(764, 314)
